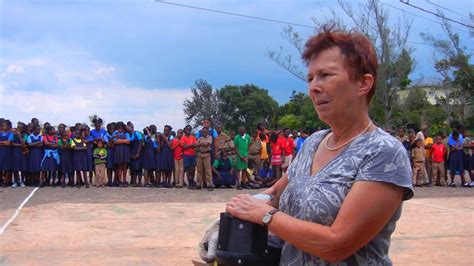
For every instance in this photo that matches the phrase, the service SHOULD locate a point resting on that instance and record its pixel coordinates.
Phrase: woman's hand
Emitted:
(248, 208)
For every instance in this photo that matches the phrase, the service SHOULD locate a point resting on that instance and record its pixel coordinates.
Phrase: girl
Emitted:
(157, 159)
(122, 153)
(35, 155)
(6, 138)
(89, 139)
(65, 156)
(135, 154)
(50, 160)
(98, 132)
(79, 157)
(166, 156)
(20, 158)
(148, 158)
(109, 140)
(276, 155)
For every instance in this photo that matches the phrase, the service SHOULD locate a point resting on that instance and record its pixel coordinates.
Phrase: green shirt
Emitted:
(218, 163)
(100, 154)
(242, 144)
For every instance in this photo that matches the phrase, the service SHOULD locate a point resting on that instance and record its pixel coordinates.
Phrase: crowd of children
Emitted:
(120, 156)
(433, 160)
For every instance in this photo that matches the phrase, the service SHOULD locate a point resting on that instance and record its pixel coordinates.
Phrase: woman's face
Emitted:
(330, 88)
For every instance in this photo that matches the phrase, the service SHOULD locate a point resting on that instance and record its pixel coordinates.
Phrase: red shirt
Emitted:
(437, 152)
(177, 148)
(276, 148)
(185, 140)
(289, 146)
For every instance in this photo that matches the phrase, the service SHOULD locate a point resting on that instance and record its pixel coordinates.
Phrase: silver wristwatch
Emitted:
(267, 218)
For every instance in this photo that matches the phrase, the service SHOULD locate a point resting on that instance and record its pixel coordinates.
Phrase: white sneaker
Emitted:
(14, 185)
(22, 184)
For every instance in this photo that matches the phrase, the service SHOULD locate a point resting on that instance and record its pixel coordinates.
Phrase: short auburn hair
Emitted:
(359, 54)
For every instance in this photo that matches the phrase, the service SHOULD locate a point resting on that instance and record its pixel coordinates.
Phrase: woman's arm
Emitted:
(366, 210)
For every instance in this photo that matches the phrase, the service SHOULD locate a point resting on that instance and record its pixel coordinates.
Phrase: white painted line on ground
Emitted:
(439, 207)
(4, 227)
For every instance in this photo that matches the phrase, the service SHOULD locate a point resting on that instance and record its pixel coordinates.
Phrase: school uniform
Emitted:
(79, 157)
(35, 155)
(122, 151)
(277, 151)
(110, 151)
(5, 151)
(204, 169)
(157, 155)
(438, 152)
(98, 134)
(19, 158)
(166, 157)
(135, 142)
(189, 154)
(65, 157)
(255, 149)
(90, 153)
(51, 159)
(178, 170)
(226, 177)
(418, 155)
(242, 145)
(456, 156)
(149, 150)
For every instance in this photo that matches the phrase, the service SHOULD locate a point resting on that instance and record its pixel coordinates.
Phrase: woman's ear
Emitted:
(366, 83)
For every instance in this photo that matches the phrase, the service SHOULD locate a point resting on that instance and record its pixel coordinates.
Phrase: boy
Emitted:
(100, 156)
(418, 156)
(177, 148)
(438, 152)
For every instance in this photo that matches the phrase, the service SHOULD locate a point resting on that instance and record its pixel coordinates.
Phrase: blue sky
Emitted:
(136, 60)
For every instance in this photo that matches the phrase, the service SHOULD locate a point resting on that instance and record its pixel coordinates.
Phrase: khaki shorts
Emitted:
(287, 161)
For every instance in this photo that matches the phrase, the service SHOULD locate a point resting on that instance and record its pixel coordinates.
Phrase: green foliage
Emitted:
(299, 113)
(203, 104)
(290, 121)
(246, 105)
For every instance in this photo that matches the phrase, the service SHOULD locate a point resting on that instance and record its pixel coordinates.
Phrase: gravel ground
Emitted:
(12, 198)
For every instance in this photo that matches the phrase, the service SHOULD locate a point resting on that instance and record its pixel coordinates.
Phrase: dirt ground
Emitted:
(122, 226)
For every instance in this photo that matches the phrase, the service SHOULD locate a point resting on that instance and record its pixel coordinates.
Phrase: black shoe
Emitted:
(63, 185)
(210, 188)
(126, 184)
(78, 185)
(239, 188)
(87, 185)
(41, 185)
(452, 184)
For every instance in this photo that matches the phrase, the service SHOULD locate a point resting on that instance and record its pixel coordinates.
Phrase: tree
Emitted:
(456, 74)
(246, 105)
(390, 42)
(299, 113)
(204, 104)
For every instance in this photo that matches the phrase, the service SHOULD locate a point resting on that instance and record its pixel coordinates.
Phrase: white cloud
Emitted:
(73, 86)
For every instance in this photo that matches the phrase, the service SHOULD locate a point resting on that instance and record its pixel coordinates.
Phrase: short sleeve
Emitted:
(389, 163)
(216, 163)
(28, 140)
(139, 135)
(10, 137)
(73, 144)
(128, 137)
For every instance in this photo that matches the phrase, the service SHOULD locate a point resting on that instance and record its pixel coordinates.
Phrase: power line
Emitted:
(235, 14)
(445, 8)
(278, 21)
(416, 15)
(406, 2)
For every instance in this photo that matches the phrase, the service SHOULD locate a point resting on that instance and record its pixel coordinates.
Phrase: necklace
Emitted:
(347, 142)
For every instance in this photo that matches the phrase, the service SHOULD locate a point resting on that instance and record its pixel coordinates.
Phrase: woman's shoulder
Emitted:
(382, 142)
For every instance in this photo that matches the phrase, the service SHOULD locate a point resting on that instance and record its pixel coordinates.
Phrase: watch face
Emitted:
(266, 218)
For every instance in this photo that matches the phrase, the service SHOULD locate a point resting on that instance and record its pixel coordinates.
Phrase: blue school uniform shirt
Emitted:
(265, 174)
(137, 135)
(98, 133)
(118, 134)
(299, 143)
(452, 142)
(212, 133)
(108, 138)
(8, 135)
(38, 138)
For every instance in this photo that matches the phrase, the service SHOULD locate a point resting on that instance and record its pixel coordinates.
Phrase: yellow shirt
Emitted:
(428, 141)
(263, 151)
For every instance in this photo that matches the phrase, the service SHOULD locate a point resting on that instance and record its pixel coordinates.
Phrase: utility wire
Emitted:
(279, 21)
(445, 8)
(416, 15)
(406, 2)
(235, 14)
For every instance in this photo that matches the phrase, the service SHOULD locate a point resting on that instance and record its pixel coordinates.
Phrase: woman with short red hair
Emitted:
(343, 193)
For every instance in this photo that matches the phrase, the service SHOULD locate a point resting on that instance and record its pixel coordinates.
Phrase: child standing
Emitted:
(100, 156)
(20, 158)
(456, 159)
(35, 145)
(65, 157)
(276, 155)
(6, 137)
(418, 156)
(109, 140)
(50, 161)
(438, 152)
(136, 142)
(166, 156)
(189, 155)
(122, 153)
(177, 149)
(148, 158)
(79, 158)
(89, 139)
